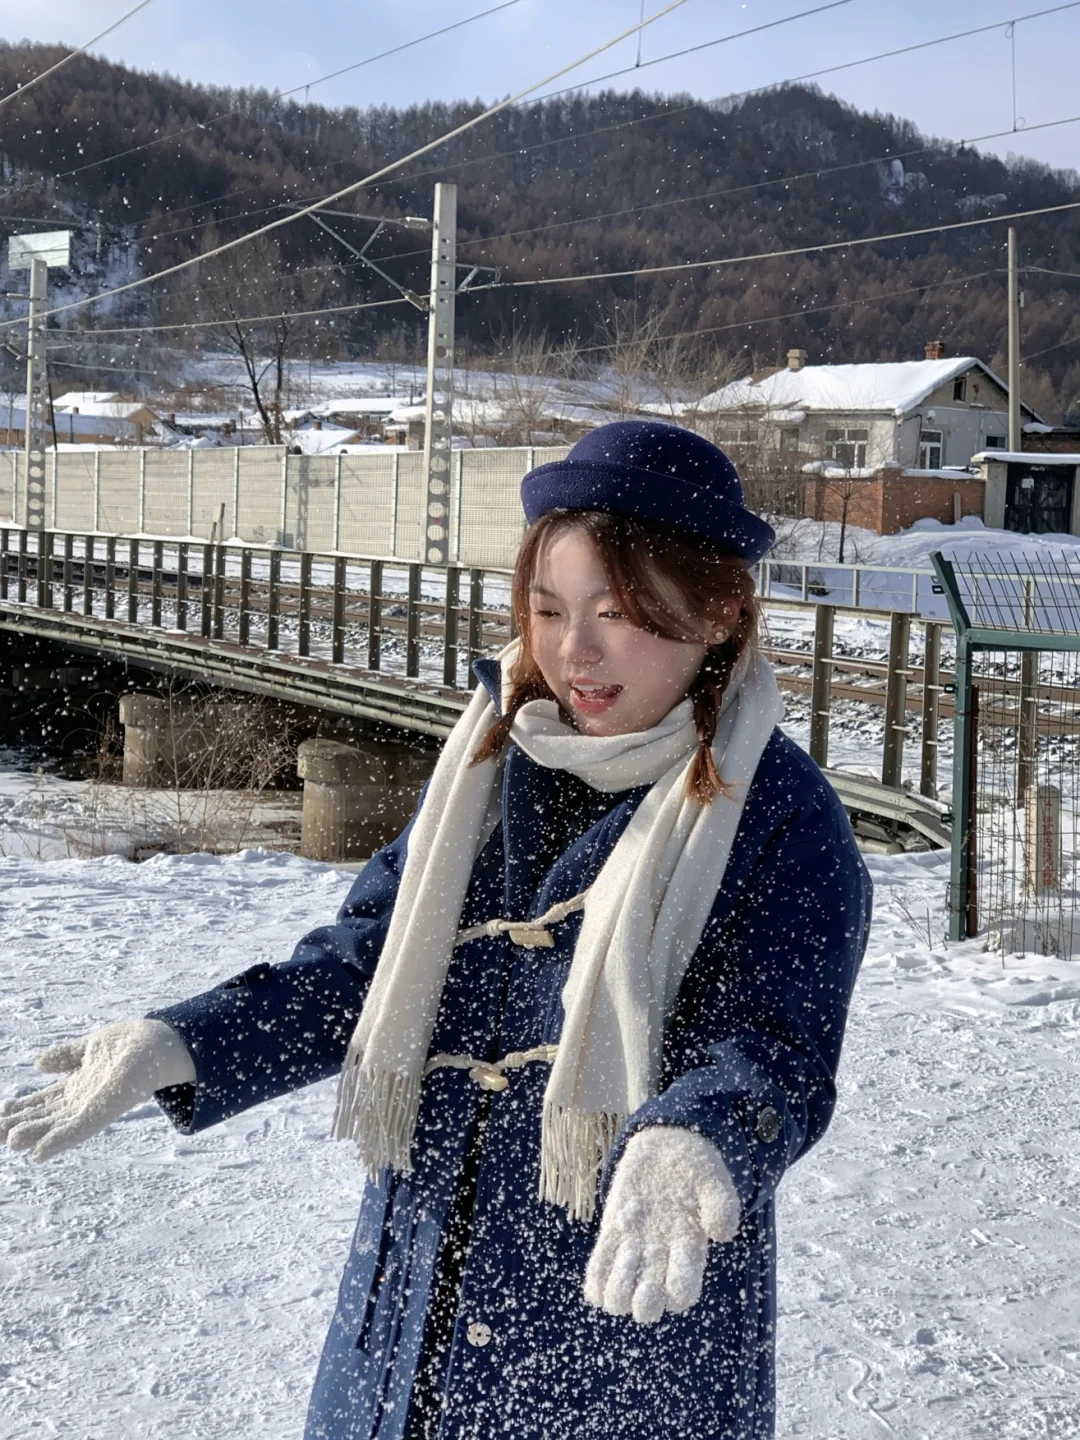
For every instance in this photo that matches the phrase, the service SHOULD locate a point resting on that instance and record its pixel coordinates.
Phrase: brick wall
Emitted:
(893, 499)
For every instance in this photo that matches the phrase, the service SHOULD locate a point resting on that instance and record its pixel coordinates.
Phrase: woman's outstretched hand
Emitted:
(671, 1195)
(106, 1073)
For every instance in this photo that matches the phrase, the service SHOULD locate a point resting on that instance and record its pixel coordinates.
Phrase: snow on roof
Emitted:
(72, 399)
(896, 387)
(357, 405)
(318, 442)
(1026, 457)
(100, 409)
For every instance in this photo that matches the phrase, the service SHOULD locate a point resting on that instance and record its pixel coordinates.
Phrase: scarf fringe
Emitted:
(574, 1148)
(378, 1110)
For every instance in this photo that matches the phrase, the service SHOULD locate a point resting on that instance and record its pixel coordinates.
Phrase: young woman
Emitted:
(586, 1010)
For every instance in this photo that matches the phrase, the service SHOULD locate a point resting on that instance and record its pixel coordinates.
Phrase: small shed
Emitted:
(1031, 493)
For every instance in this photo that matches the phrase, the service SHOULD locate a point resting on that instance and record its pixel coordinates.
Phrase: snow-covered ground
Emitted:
(156, 1285)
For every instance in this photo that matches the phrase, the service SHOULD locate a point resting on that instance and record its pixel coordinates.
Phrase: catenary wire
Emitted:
(832, 69)
(232, 320)
(283, 94)
(295, 215)
(790, 252)
(37, 79)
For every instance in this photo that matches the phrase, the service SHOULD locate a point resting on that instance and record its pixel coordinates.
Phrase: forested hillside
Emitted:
(153, 170)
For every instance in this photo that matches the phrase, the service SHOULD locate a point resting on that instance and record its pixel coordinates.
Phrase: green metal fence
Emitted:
(1016, 753)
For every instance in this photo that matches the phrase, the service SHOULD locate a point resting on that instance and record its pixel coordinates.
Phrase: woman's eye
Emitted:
(612, 615)
(544, 614)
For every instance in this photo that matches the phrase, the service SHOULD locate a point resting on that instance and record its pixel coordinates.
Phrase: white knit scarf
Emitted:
(643, 918)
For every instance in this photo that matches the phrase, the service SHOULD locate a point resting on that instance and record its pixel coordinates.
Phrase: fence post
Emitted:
(14, 485)
(337, 612)
(931, 696)
(88, 575)
(142, 490)
(303, 619)
(110, 577)
(191, 492)
(1029, 698)
(156, 583)
(44, 569)
(69, 572)
(964, 769)
(219, 591)
(181, 585)
(97, 491)
(5, 540)
(273, 601)
(55, 460)
(374, 642)
(395, 476)
(821, 684)
(892, 763)
(283, 536)
(476, 614)
(236, 494)
(450, 631)
(243, 626)
(20, 592)
(206, 592)
(336, 545)
(133, 582)
(412, 622)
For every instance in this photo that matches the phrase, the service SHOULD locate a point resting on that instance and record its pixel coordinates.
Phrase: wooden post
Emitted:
(5, 541)
(374, 643)
(476, 614)
(273, 601)
(412, 622)
(303, 622)
(181, 585)
(156, 583)
(206, 593)
(88, 575)
(219, 592)
(20, 590)
(44, 569)
(133, 583)
(892, 763)
(110, 577)
(821, 684)
(69, 586)
(337, 614)
(243, 628)
(931, 697)
(450, 626)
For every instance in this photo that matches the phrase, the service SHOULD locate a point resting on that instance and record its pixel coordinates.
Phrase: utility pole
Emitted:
(1015, 437)
(439, 406)
(37, 253)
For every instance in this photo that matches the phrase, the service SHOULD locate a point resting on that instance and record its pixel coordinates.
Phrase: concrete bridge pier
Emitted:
(356, 799)
(183, 743)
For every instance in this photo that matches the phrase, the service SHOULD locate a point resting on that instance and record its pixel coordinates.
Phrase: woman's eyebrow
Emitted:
(554, 594)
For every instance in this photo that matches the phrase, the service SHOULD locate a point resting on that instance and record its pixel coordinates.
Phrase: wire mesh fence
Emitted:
(1016, 776)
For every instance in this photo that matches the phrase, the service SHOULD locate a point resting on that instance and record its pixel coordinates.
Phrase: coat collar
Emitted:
(489, 673)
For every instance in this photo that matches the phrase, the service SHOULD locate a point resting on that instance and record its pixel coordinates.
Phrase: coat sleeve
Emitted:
(753, 1047)
(275, 1028)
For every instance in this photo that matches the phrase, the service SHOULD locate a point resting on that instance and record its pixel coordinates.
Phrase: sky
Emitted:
(958, 90)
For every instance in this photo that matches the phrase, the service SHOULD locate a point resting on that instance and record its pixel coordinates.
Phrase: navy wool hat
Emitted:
(652, 471)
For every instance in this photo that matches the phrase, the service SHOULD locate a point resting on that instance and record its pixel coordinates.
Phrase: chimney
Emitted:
(935, 350)
(796, 359)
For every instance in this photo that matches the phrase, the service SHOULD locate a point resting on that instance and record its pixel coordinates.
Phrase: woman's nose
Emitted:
(581, 643)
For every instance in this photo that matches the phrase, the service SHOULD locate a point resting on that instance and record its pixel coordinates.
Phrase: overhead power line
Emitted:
(831, 69)
(295, 215)
(689, 265)
(284, 94)
(232, 320)
(37, 79)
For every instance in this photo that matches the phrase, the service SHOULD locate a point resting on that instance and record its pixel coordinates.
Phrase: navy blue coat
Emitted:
(462, 1250)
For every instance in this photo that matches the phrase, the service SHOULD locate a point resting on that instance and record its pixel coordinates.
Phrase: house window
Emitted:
(789, 440)
(994, 442)
(959, 388)
(847, 448)
(931, 450)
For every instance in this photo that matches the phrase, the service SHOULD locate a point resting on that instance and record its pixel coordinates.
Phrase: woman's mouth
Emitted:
(593, 699)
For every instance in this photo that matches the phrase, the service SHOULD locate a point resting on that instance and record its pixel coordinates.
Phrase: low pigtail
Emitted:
(707, 693)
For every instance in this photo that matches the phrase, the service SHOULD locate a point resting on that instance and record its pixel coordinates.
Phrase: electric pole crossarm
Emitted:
(365, 259)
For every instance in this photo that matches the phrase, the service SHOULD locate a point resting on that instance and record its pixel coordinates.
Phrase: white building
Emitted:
(918, 414)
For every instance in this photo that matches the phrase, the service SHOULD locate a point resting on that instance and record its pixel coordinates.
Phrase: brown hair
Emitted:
(671, 584)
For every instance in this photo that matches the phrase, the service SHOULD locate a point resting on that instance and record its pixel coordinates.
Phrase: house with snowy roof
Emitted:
(927, 415)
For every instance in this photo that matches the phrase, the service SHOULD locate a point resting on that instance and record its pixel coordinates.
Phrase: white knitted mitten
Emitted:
(670, 1196)
(106, 1073)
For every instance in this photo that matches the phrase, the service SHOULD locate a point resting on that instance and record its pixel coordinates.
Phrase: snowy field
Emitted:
(155, 1285)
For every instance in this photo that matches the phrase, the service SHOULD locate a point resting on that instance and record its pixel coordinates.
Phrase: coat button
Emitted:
(478, 1333)
(768, 1125)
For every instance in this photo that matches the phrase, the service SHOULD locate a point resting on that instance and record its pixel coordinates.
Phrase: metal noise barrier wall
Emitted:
(357, 504)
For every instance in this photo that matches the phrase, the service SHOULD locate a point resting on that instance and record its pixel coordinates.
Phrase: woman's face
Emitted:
(609, 676)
